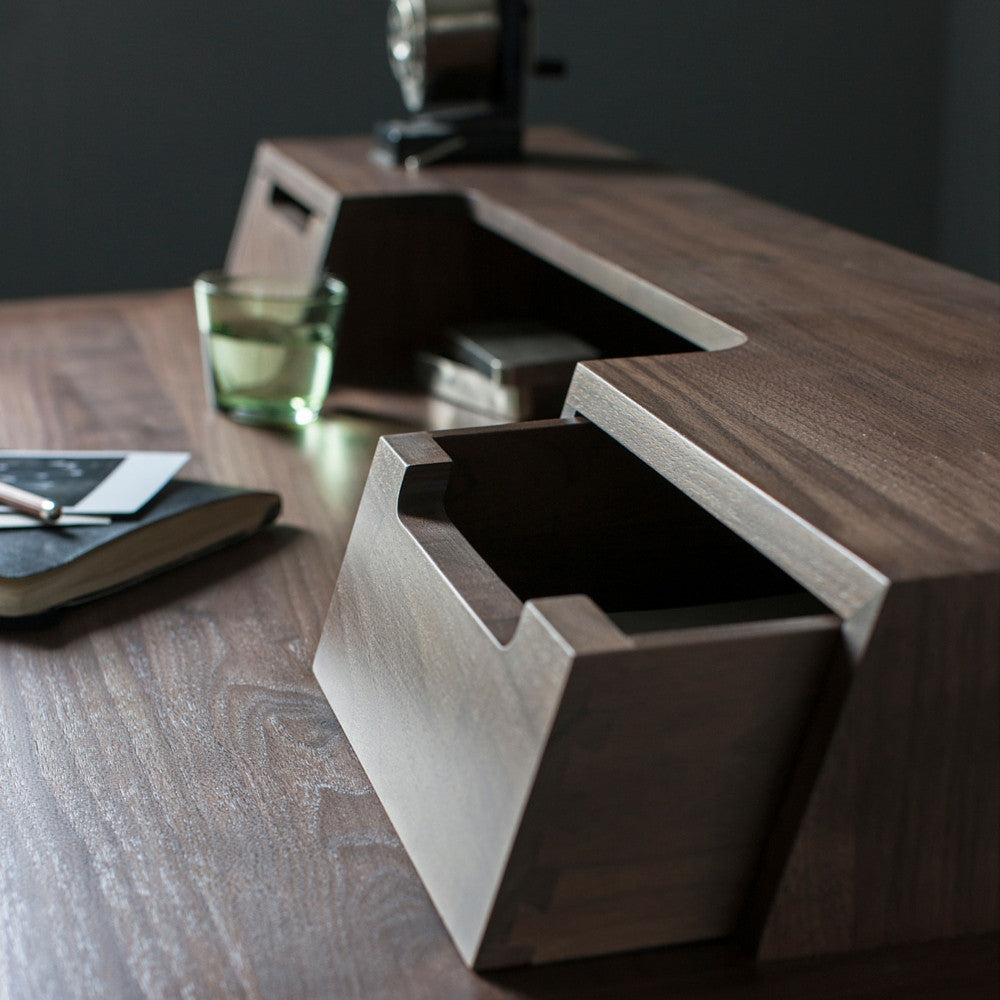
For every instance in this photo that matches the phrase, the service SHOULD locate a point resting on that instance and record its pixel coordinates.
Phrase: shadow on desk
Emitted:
(957, 969)
(55, 629)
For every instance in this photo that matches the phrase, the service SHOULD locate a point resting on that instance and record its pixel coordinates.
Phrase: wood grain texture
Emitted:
(417, 260)
(898, 840)
(562, 788)
(861, 387)
(841, 418)
(180, 813)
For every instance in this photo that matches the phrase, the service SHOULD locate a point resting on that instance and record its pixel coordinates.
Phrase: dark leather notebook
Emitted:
(42, 568)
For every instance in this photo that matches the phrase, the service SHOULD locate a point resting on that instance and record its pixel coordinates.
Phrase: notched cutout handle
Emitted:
(296, 211)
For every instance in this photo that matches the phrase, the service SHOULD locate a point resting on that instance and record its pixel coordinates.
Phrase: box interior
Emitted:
(561, 508)
(419, 266)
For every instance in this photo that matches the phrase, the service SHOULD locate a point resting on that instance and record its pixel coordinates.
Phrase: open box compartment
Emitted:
(564, 787)
(417, 265)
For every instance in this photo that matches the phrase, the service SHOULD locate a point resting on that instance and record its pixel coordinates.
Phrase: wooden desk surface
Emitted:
(180, 813)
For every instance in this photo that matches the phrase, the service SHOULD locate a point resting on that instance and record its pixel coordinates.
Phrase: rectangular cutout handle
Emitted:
(296, 211)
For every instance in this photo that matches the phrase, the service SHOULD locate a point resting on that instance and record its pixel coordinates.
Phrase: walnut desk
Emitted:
(180, 811)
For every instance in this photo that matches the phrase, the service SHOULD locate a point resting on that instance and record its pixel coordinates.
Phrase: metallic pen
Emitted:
(47, 511)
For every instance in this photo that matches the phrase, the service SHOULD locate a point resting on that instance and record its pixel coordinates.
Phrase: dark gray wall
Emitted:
(126, 129)
(830, 106)
(969, 216)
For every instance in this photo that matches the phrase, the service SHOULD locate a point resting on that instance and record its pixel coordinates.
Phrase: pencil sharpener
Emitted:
(460, 66)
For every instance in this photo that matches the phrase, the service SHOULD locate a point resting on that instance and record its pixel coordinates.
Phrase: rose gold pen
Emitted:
(44, 509)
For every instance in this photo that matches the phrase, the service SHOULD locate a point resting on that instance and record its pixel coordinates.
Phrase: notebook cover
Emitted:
(26, 552)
